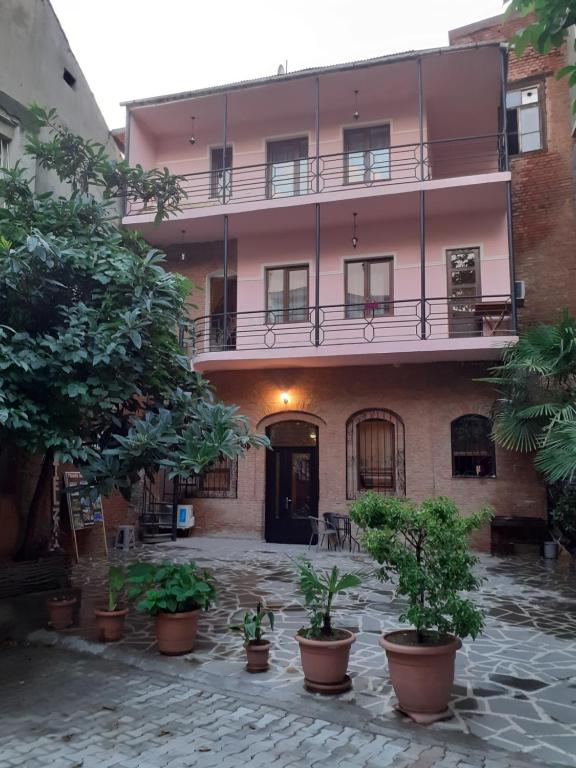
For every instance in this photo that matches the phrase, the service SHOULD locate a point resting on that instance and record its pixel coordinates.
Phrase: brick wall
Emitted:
(426, 397)
(544, 224)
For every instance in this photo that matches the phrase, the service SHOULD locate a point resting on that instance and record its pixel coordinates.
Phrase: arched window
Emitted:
(375, 453)
(473, 453)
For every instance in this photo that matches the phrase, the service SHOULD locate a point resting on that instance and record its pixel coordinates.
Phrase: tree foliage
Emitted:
(425, 547)
(548, 29)
(91, 371)
(536, 407)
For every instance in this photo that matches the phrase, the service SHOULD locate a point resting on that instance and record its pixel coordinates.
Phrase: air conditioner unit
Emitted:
(185, 517)
(519, 290)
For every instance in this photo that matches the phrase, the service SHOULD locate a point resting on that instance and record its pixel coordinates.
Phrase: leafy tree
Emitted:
(426, 548)
(548, 29)
(536, 407)
(91, 371)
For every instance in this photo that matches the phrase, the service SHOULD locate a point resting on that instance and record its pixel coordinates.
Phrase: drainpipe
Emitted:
(225, 276)
(224, 143)
(317, 93)
(317, 281)
(506, 167)
(421, 207)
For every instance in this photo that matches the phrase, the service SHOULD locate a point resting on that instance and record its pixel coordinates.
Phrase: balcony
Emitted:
(333, 177)
(414, 330)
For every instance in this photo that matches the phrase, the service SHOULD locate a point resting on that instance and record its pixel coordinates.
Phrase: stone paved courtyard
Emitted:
(515, 686)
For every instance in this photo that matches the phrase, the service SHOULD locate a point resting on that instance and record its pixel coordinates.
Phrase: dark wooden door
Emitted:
(291, 493)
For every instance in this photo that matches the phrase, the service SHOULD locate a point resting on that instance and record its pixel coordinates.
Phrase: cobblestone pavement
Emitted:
(515, 686)
(63, 710)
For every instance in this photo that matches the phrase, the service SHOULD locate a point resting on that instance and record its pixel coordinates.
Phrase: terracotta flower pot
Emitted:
(325, 663)
(60, 612)
(110, 624)
(176, 632)
(421, 675)
(257, 656)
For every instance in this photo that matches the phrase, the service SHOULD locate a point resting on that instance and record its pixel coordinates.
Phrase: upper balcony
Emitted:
(396, 124)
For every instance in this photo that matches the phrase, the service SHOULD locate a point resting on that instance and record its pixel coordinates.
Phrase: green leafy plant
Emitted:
(563, 517)
(116, 586)
(319, 588)
(252, 625)
(170, 587)
(425, 548)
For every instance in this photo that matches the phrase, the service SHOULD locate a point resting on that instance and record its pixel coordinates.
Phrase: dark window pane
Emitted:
(512, 131)
(473, 452)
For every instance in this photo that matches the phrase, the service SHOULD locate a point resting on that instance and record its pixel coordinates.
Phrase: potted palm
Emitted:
(324, 649)
(174, 593)
(61, 611)
(110, 620)
(425, 547)
(257, 649)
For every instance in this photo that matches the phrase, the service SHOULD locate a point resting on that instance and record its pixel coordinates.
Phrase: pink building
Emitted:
(348, 233)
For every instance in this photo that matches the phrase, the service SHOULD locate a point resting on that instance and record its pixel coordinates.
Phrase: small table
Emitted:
(494, 313)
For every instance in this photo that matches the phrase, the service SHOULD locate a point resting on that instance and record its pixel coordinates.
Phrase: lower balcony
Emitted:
(410, 330)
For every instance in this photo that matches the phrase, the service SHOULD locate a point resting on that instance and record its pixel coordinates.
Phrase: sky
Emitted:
(130, 49)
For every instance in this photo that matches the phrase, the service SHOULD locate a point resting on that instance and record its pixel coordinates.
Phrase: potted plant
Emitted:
(324, 649)
(257, 649)
(425, 547)
(174, 593)
(110, 620)
(61, 611)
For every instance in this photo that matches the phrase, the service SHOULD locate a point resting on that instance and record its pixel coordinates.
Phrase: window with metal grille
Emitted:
(218, 481)
(375, 453)
(367, 154)
(473, 452)
(524, 120)
(220, 173)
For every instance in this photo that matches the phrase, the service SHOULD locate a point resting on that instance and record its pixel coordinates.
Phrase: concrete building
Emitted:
(348, 231)
(37, 65)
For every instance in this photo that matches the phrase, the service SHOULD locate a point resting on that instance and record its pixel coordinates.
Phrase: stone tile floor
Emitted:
(515, 686)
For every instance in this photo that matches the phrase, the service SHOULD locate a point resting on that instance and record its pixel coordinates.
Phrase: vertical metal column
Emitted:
(317, 282)
(225, 279)
(224, 144)
(422, 206)
(505, 167)
(175, 486)
(317, 90)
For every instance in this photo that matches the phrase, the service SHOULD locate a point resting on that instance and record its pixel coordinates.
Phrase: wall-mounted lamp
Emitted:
(192, 139)
(356, 114)
(354, 233)
(284, 397)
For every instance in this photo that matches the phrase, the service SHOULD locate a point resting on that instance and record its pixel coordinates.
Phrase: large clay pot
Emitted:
(257, 656)
(110, 624)
(176, 632)
(325, 663)
(422, 675)
(60, 612)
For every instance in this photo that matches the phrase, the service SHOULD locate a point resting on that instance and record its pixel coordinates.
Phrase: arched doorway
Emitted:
(291, 481)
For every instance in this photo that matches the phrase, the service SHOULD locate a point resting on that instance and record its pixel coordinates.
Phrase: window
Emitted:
(375, 453)
(69, 78)
(473, 453)
(367, 154)
(287, 167)
(218, 481)
(287, 295)
(463, 266)
(4, 152)
(220, 175)
(523, 120)
(368, 287)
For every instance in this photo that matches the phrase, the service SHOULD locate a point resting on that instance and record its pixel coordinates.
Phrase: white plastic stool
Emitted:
(125, 538)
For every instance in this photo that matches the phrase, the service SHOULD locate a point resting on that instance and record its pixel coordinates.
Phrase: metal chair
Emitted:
(322, 530)
(343, 526)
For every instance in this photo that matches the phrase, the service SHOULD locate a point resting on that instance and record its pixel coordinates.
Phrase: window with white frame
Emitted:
(524, 120)
(4, 152)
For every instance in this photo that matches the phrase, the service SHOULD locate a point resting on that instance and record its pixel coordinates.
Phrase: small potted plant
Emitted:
(425, 547)
(257, 649)
(61, 611)
(324, 649)
(110, 620)
(174, 593)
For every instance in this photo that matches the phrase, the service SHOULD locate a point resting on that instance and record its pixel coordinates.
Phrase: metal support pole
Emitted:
(175, 485)
(422, 237)
(512, 267)
(503, 138)
(224, 145)
(420, 117)
(225, 278)
(317, 90)
(317, 282)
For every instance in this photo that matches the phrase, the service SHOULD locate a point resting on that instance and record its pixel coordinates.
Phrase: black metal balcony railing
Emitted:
(401, 164)
(369, 323)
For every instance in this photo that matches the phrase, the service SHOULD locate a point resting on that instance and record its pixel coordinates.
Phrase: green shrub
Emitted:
(252, 622)
(170, 587)
(116, 586)
(425, 548)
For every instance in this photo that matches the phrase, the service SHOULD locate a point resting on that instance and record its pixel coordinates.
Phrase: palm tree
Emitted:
(536, 407)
